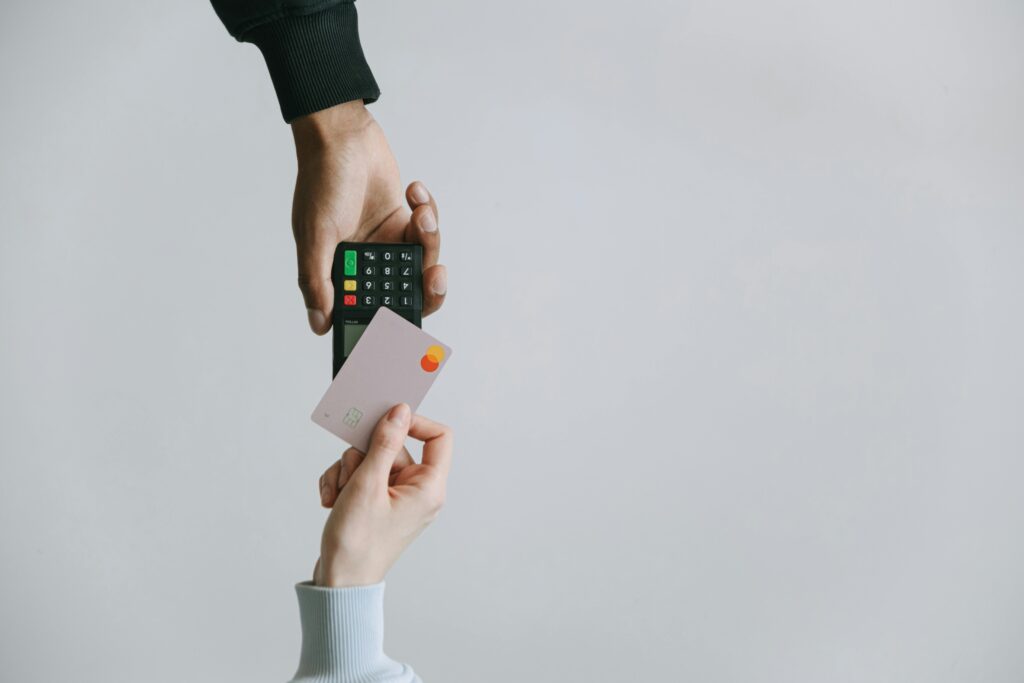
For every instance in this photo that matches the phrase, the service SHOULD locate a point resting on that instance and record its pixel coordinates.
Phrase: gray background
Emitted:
(736, 308)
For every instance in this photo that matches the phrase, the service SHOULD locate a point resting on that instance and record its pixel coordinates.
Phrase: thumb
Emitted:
(315, 282)
(386, 443)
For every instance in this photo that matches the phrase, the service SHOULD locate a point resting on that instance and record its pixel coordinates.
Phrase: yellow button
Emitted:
(350, 285)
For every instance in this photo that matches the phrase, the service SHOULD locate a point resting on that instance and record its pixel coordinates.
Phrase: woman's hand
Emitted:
(381, 500)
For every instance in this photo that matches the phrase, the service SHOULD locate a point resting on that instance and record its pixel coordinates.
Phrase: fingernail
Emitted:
(440, 286)
(317, 319)
(427, 222)
(420, 194)
(399, 414)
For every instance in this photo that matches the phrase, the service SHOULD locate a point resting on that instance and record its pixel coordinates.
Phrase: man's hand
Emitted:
(381, 500)
(348, 188)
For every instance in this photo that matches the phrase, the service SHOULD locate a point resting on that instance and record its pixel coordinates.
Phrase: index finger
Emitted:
(423, 223)
(417, 194)
(437, 442)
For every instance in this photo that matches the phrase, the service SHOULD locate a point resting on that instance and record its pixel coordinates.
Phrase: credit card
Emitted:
(393, 362)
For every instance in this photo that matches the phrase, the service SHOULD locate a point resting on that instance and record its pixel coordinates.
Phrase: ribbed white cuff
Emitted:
(343, 636)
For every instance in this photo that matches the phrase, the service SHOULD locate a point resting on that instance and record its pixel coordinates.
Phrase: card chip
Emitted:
(352, 417)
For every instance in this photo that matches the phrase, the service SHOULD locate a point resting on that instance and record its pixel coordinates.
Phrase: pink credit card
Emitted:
(393, 362)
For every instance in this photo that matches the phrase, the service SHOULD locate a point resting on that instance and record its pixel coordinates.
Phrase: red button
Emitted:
(350, 299)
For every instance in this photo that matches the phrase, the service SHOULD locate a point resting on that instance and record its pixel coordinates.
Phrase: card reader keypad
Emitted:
(379, 275)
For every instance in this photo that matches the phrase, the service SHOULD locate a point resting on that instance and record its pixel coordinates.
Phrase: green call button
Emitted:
(350, 262)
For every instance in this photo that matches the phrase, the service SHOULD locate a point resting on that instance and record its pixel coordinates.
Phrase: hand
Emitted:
(348, 188)
(381, 500)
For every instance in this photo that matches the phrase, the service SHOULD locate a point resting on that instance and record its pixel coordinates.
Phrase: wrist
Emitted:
(322, 129)
(335, 574)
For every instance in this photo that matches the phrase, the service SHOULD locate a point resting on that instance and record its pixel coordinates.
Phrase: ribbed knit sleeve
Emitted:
(311, 47)
(315, 60)
(343, 637)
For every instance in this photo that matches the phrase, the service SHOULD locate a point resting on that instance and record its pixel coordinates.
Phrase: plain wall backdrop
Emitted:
(736, 303)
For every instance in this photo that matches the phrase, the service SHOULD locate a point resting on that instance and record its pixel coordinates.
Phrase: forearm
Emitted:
(343, 637)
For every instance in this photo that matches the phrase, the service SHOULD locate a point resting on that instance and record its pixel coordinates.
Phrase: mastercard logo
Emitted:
(431, 360)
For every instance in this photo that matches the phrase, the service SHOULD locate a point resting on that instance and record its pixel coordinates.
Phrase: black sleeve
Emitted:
(311, 47)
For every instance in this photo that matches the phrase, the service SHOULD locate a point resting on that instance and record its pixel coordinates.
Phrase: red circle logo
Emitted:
(431, 360)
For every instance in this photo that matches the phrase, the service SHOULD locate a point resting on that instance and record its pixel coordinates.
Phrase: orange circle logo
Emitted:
(431, 360)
